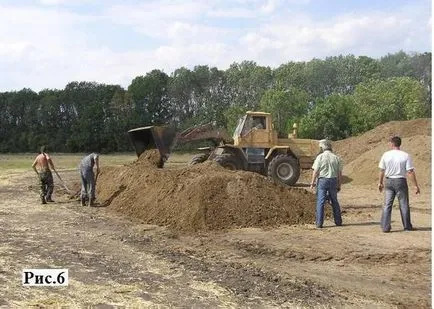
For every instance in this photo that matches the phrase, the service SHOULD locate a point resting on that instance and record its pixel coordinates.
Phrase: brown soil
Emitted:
(202, 197)
(361, 154)
(364, 169)
(351, 148)
(151, 158)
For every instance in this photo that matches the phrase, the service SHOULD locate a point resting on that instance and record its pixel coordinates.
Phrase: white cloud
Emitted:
(64, 2)
(232, 13)
(270, 6)
(51, 2)
(177, 56)
(155, 18)
(303, 38)
(49, 46)
(181, 33)
(156, 10)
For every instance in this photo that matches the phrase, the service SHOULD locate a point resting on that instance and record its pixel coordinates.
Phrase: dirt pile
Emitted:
(151, 158)
(361, 154)
(351, 148)
(202, 197)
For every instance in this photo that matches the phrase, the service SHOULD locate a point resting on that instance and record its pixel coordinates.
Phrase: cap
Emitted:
(325, 144)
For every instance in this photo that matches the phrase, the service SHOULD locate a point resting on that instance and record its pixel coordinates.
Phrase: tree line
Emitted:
(336, 97)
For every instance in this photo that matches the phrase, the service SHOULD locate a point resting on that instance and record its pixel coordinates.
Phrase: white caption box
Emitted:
(45, 277)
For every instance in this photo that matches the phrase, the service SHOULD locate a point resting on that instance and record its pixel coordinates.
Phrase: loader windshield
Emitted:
(240, 126)
(247, 123)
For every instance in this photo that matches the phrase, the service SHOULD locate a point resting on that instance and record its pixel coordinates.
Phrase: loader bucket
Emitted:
(153, 137)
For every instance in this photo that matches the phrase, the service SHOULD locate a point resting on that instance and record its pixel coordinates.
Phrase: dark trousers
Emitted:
(395, 187)
(327, 186)
(47, 185)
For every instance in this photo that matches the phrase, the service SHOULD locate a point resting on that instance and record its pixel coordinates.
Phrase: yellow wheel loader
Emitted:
(255, 147)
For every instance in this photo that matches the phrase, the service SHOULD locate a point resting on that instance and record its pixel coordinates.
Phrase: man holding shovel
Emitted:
(43, 166)
(88, 178)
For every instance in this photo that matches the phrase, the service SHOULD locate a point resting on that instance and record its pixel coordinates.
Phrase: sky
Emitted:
(45, 44)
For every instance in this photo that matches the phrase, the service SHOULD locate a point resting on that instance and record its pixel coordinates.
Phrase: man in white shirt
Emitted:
(395, 165)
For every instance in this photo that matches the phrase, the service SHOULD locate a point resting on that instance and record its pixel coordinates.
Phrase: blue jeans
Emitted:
(399, 188)
(324, 186)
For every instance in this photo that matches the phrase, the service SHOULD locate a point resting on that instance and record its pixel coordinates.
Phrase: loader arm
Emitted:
(205, 132)
(164, 138)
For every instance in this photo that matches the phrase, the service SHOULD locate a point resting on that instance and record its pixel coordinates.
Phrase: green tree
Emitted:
(286, 107)
(291, 74)
(247, 82)
(394, 65)
(351, 70)
(53, 128)
(120, 119)
(321, 78)
(331, 118)
(20, 108)
(180, 90)
(209, 95)
(150, 96)
(232, 115)
(88, 106)
(380, 101)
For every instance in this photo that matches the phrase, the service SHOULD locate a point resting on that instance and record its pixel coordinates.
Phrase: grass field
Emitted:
(68, 161)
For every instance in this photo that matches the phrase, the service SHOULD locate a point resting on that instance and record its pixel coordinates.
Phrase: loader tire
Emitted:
(228, 161)
(284, 169)
(198, 158)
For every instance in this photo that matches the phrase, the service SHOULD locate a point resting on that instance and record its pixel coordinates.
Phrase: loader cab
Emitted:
(253, 135)
(254, 130)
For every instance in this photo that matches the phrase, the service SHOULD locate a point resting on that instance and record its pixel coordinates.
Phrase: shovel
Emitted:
(64, 184)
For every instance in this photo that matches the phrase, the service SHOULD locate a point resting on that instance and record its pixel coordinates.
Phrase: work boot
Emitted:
(43, 201)
(92, 202)
(48, 199)
(83, 202)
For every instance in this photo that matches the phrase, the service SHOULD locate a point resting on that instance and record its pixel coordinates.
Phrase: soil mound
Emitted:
(364, 170)
(152, 158)
(202, 197)
(361, 154)
(351, 148)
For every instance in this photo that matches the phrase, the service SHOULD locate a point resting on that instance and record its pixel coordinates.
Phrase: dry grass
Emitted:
(68, 161)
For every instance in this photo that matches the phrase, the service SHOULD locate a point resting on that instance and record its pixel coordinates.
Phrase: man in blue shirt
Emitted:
(88, 179)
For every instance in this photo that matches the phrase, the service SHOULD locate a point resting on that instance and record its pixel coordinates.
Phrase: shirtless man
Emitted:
(42, 166)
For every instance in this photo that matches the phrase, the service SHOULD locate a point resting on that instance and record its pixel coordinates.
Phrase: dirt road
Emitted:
(114, 262)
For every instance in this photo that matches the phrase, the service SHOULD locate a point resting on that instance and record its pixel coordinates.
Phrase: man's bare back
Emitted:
(42, 163)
